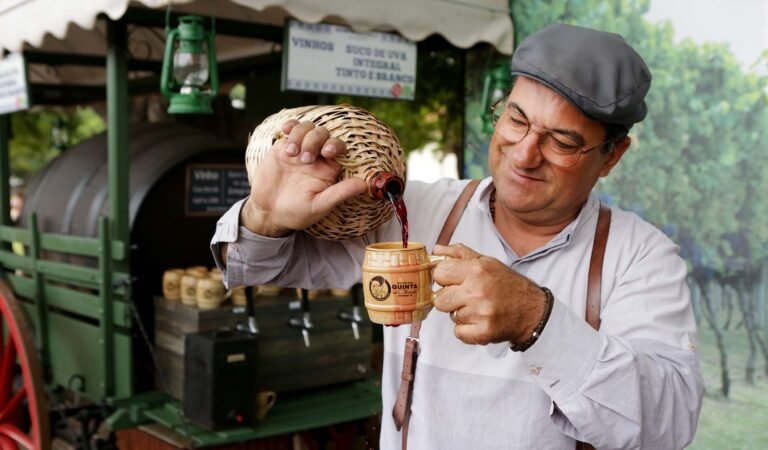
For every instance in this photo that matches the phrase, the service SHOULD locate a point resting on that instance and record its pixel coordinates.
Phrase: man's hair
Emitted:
(613, 133)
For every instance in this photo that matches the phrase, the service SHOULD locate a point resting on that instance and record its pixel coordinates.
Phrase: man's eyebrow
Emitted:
(564, 131)
(516, 107)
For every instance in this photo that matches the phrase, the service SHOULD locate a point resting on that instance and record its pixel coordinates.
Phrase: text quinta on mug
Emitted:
(397, 282)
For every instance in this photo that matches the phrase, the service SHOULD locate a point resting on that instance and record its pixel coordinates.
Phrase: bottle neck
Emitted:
(383, 183)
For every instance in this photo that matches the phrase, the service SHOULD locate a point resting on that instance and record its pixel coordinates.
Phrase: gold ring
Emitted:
(455, 317)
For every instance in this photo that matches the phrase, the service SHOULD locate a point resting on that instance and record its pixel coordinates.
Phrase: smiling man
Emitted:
(560, 321)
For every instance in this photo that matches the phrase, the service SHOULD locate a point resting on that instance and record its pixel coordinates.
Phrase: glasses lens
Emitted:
(559, 149)
(511, 126)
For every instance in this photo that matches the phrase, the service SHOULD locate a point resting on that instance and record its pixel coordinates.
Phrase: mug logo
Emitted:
(379, 288)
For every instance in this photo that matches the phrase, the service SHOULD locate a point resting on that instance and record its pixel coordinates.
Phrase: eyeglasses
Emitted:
(558, 148)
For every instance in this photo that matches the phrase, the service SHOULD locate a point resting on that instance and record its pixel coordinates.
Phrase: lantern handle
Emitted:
(165, 76)
(214, 73)
(168, 18)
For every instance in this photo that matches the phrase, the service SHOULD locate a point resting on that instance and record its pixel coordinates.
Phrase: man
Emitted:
(505, 362)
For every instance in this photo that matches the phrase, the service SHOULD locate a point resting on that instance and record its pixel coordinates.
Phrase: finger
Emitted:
(451, 272)
(449, 299)
(286, 128)
(312, 143)
(296, 137)
(333, 147)
(288, 125)
(338, 193)
(459, 251)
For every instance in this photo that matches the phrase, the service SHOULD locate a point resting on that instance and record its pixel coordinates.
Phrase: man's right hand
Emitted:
(296, 183)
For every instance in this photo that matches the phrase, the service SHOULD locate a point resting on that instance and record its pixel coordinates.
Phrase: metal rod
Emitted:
(224, 27)
(41, 306)
(106, 325)
(117, 130)
(77, 59)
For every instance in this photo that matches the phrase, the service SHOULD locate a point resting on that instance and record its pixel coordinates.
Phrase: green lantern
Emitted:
(496, 82)
(189, 62)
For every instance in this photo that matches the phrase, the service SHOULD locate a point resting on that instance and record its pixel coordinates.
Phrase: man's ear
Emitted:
(619, 148)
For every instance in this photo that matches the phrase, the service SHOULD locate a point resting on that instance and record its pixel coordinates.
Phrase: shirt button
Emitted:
(533, 370)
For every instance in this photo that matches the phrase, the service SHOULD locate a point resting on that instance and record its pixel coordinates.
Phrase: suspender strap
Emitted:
(596, 267)
(402, 410)
(592, 314)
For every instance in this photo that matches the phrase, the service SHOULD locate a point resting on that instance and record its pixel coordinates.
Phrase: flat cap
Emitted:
(596, 71)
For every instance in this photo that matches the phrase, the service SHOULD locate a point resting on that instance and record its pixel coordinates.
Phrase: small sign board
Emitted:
(14, 88)
(212, 188)
(333, 59)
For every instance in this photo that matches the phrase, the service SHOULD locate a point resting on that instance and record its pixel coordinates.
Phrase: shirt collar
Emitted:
(590, 209)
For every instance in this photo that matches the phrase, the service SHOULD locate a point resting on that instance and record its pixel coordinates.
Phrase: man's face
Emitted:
(527, 185)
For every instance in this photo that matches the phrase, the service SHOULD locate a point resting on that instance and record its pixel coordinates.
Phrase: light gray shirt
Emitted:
(634, 384)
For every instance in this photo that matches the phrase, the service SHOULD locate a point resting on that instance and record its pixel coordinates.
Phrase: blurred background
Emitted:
(698, 166)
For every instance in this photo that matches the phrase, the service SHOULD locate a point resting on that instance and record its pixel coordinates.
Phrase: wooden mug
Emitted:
(397, 282)
(172, 284)
(189, 289)
(210, 293)
(265, 400)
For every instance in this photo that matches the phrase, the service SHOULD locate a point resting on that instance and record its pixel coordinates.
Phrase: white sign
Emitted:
(332, 59)
(14, 95)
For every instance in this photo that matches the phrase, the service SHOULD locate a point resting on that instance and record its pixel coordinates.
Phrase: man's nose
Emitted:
(526, 153)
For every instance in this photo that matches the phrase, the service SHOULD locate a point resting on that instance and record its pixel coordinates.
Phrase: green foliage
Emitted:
(736, 422)
(697, 165)
(32, 143)
(435, 113)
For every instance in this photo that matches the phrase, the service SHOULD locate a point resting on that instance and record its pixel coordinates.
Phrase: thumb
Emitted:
(338, 193)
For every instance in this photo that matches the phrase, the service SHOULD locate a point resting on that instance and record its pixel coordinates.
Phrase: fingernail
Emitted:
(292, 149)
(307, 157)
(329, 149)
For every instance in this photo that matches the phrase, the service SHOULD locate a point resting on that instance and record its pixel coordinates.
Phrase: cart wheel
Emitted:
(23, 406)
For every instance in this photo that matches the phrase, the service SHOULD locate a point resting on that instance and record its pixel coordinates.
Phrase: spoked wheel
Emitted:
(23, 406)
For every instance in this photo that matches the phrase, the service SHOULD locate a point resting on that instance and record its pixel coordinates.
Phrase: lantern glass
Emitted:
(190, 69)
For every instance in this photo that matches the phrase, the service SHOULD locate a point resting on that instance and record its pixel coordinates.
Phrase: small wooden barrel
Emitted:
(210, 293)
(172, 284)
(189, 289)
(397, 282)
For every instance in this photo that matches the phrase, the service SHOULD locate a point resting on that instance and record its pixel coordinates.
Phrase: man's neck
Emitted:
(523, 234)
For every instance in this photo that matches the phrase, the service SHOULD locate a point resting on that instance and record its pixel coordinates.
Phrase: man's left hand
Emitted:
(492, 302)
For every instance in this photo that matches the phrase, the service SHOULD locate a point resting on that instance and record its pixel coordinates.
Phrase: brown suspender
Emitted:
(401, 412)
(592, 313)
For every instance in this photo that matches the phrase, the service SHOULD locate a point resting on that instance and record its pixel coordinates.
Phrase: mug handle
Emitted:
(271, 399)
(435, 260)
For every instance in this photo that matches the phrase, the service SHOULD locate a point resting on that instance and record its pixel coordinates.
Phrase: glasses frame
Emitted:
(545, 132)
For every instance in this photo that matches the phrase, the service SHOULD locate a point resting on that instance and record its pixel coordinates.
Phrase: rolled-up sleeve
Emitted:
(297, 260)
(636, 383)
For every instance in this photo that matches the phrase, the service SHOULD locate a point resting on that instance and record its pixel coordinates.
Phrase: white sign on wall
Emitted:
(14, 94)
(333, 59)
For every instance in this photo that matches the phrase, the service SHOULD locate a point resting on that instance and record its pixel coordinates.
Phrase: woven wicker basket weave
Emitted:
(371, 147)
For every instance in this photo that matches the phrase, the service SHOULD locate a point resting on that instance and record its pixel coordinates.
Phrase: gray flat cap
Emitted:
(596, 71)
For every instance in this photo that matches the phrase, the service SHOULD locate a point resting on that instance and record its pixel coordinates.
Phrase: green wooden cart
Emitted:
(68, 323)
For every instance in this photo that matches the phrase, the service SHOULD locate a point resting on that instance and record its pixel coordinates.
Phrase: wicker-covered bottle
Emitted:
(373, 154)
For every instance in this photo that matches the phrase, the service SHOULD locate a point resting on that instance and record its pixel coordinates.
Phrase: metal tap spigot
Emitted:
(304, 323)
(354, 317)
(252, 327)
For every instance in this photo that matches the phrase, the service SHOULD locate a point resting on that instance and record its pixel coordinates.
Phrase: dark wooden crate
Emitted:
(284, 363)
